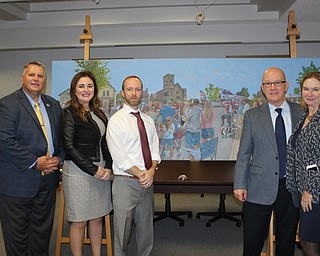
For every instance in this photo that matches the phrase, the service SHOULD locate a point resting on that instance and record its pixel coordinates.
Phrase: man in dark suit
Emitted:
(259, 182)
(30, 156)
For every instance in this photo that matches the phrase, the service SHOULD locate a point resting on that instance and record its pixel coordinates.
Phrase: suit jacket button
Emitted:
(277, 157)
(276, 173)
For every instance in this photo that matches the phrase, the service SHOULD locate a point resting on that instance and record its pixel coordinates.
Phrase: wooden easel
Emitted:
(85, 38)
(292, 34)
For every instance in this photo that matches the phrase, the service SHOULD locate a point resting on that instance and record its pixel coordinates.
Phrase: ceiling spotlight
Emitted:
(199, 18)
(200, 15)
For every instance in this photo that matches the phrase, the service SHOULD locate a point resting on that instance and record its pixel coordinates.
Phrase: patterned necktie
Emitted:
(144, 141)
(281, 142)
(40, 118)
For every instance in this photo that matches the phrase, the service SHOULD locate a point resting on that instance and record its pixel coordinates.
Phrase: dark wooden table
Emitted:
(202, 177)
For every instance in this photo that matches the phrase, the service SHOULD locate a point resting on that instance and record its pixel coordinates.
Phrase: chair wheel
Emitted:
(208, 224)
(190, 215)
(238, 223)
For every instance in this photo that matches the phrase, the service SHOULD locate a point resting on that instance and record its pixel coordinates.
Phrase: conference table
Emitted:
(213, 177)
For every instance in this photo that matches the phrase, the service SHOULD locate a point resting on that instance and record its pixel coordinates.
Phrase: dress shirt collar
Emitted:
(129, 109)
(32, 101)
(285, 114)
(285, 107)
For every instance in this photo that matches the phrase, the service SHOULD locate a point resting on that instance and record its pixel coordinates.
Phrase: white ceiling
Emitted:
(258, 10)
(149, 21)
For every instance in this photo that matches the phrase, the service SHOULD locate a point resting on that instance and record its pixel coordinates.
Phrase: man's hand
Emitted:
(48, 164)
(240, 194)
(146, 177)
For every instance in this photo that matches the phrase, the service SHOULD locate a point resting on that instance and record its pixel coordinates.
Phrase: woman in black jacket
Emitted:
(87, 166)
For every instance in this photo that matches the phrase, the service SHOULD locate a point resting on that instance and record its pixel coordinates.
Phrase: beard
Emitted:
(133, 102)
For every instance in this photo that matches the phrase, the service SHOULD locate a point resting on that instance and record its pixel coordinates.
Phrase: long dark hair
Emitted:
(94, 103)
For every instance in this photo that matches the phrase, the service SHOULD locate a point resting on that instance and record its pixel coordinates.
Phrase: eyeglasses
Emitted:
(277, 83)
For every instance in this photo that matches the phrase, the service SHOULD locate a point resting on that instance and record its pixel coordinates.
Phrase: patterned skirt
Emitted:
(86, 197)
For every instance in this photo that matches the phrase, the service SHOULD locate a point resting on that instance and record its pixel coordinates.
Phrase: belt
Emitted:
(126, 176)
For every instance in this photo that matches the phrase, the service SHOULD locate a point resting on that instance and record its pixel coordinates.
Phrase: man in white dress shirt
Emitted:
(132, 185)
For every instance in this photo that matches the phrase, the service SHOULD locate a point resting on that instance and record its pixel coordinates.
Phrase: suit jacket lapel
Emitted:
(295, 115)
(266, 120)
(26, 103)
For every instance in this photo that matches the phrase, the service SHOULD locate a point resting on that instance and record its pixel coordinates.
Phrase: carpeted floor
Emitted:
(223, 238)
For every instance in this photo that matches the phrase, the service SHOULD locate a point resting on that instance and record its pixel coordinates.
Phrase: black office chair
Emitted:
(170, 214)
(221, 213)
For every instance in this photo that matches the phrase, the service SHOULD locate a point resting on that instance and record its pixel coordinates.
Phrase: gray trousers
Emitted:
(132, 205)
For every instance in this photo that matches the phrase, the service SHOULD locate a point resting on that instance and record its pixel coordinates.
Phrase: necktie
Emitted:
(144, 141)
(40, 118)
(281, 142)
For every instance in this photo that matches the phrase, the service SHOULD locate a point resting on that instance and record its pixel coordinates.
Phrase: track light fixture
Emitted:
(199, 18)
(200, 15)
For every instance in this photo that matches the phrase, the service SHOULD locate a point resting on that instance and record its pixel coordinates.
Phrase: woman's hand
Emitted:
(306, 201)
(103, 174)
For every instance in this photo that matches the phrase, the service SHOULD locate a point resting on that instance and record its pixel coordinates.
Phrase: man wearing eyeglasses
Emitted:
(260, 181)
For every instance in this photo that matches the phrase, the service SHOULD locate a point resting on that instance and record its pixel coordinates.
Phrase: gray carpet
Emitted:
(194, 238)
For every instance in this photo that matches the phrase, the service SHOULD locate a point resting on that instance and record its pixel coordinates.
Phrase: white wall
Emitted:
(152, 29)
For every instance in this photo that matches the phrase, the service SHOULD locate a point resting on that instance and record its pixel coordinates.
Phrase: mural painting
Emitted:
(197, 104)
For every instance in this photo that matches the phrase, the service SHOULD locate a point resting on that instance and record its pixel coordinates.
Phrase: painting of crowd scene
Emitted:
(197, 105)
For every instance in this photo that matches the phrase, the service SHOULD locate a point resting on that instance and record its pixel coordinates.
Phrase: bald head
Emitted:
(274, 71)
(274, 86)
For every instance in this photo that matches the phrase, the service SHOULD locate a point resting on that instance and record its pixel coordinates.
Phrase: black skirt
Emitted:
(310, 224)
